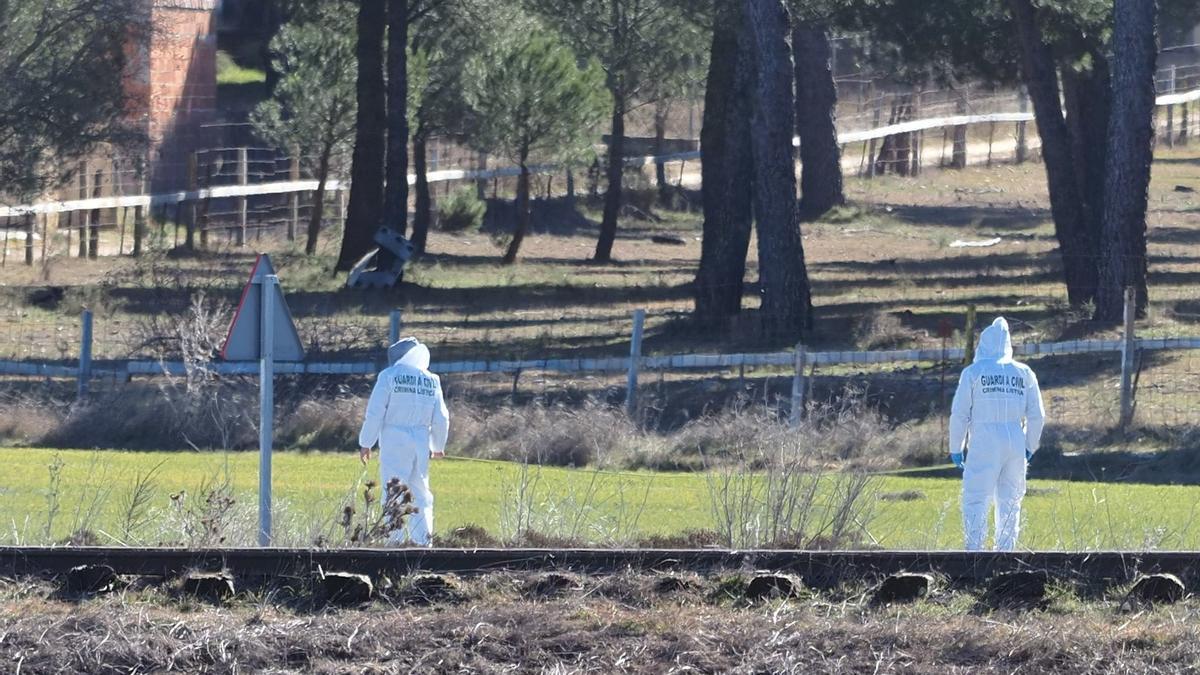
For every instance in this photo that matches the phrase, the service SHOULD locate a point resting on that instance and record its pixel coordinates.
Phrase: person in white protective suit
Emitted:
(407, 417)
(998, 415)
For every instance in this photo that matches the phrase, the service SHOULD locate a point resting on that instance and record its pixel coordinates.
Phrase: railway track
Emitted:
(815, 568)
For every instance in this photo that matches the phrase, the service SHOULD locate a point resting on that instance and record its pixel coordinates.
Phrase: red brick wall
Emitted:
(177, 81)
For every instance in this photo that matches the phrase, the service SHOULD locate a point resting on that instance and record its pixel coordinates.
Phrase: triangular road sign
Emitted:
(242, 342)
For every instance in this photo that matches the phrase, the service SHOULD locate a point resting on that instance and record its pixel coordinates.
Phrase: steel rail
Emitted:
(816, 568)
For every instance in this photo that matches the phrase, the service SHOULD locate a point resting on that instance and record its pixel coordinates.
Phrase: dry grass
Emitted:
(628, 623)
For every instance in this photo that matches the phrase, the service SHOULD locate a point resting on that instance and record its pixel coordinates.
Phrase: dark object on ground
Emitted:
(670, 584)
(631, 211)
(1017, 587)
(550, 585)
(771, 586)
(213, 586)
(669, 240)
(903, 587)
(382, 267)
(346, 588)
(427, 589)
(1154, 589)
(91, 579)
(1184, 188)
(45, 298)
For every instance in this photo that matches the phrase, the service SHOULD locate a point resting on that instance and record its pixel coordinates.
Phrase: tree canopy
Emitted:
(62, 66)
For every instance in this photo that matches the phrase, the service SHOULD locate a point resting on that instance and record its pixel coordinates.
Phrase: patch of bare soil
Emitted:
(616, 624)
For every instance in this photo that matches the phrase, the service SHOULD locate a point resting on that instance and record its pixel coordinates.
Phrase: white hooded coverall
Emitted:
(998, 412)
(407, 417)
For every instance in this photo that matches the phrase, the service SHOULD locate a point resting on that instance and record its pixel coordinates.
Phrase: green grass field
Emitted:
(597, 507)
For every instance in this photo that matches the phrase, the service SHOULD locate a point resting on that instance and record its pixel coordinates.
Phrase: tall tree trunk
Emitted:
(510, 256)
(1086, 95)
(1130, 153)
(816, 114)
(318, 208)
(615, 173)
(661, 108)
(395, 203)
(726, 176)
(786, 297)
(1075, 241)
(424, 213)
(366, 170)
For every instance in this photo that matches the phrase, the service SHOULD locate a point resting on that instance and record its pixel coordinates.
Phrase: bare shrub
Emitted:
(207, 410)
(24, 419)
(316, 424)
(546, 435)
(537, 510)
(881, 330)
(847, 432)
(790, 503)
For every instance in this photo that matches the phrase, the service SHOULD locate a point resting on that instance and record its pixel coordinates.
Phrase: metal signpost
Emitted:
(263, 330)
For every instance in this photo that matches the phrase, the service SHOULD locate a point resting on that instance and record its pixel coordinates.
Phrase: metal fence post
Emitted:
(395, 323)
(1128, 352)
(799, 386)
(635, 356)
(85, 353)
(266, 400)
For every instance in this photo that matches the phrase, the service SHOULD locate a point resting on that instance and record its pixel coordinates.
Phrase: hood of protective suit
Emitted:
(995, 343)
(409, 352)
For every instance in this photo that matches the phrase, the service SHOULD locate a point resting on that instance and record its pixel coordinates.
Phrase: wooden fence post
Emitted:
(139, 223)
(294, 198)
(635, 357)
(85, 216)
(871, 143)
(481, 160)
(969, 336)
(205, 207)
(395, 323)
(85, 353)
(122, 212)
(45, 239)
(93, 232)
(193, 179)
(1171, 109)
(799, 386)
(918, 137)
(958, 157)
(243, 179)
(29, 239)
(1128, 353)
(1022, 141)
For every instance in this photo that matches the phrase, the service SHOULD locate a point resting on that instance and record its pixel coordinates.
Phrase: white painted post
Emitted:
(635, 356)
(395, 323)
(1128, 351)
(85, 354)
(266, 398)
(799, 386)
